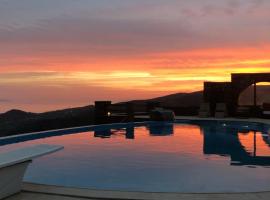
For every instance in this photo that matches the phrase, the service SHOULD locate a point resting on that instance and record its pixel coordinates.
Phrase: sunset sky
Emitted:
(64, 53)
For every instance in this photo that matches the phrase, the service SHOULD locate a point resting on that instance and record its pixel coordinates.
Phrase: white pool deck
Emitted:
(48, 192)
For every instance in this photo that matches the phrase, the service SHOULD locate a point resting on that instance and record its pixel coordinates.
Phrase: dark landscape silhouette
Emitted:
(17, 121)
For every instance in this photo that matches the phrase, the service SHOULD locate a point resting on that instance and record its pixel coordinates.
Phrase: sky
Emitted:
(64, 53)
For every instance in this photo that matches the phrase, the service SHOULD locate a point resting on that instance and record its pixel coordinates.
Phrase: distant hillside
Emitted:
(16, 121)
(181, 99)
(181, 103)
(188, 103)
(193, 99)
(15, 115)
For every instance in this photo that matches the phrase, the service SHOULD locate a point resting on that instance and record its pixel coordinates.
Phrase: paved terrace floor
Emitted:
(46, 192)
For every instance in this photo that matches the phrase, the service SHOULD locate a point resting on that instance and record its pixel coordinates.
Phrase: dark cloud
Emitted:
(98, 36)
(139, 29)
(27, 75)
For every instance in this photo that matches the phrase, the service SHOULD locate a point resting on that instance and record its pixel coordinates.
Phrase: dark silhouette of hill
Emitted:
(17, 121)
(181, 99)
(181, 103)
(15, 115)
(194, 99)
(175, 100)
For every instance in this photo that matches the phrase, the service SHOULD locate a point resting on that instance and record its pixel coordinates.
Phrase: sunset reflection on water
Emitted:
(163, 157)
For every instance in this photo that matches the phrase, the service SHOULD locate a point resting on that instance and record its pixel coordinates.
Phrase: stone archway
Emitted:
(229, 92)
(246, 97)
(240, 82)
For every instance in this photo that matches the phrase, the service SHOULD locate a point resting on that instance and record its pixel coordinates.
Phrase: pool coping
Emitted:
(254, 120)
(65, 131)
(114, 194)
(125, 195)
(121, 125)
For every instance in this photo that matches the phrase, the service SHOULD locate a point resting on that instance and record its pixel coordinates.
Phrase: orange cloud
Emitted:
(128, 48)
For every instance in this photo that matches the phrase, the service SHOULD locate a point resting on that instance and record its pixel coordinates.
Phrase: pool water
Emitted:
(158, 157)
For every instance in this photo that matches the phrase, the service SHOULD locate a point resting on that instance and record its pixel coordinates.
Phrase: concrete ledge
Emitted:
(105, 194)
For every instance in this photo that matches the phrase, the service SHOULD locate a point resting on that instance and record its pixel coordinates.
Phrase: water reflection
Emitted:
(229, 140)
(156, 129)
(106, 133)
(245, 144)
(226, 141)
(156, 157)
(128, 132)
(163, 129)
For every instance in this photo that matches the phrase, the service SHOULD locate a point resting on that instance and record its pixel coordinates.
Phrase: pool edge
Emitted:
(107, 194)
(177, 118)
(124, 195)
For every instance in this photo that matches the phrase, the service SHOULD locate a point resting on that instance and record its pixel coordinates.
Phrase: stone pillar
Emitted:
(102, 112)
(130, 111)
(255, 94)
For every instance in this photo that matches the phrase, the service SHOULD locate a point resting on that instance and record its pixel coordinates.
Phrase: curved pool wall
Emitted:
(58, 132)
(51, 133)
(185, 156)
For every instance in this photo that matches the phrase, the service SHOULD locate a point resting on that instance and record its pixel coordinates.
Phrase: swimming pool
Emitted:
(186, 156)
